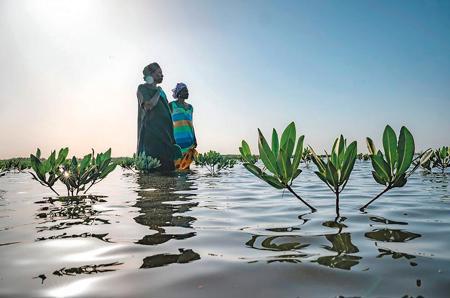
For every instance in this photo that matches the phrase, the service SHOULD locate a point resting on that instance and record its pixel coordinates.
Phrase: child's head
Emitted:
(180, 91)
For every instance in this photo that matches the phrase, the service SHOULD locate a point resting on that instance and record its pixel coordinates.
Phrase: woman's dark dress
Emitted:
(155, 128)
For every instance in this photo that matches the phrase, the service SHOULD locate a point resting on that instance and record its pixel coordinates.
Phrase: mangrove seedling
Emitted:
(126, 163)
(48, 171)
(214, 162)
(441, 158)
(335, 172)
(391, 168)
(280, 170)
(76, 175)
(306, 157)
(103, 166)
(146, 164)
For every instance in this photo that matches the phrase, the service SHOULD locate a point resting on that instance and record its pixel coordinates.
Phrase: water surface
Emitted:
(193, 235)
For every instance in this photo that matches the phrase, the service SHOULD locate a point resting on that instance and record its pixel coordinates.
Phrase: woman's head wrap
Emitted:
(178, 88)
(150, 69)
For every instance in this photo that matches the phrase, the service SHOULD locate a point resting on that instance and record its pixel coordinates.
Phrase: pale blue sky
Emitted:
(70, 70)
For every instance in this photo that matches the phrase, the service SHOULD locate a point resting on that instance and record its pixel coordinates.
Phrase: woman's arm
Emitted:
(193, 130)
(146, 104)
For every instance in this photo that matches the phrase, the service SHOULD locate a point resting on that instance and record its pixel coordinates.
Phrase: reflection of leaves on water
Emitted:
(82, 235)
(185, 256)
(386, 221)
(344, 261)
(87, 269)
(159, 238)
(68, 224)
(389, 235)
(294, 259)
(42, 277)
(304, 220)
(9, 243)
(69, 211)
(341, 243)
(334, 224)
(276, 243)
(394, 254)
(284, 229)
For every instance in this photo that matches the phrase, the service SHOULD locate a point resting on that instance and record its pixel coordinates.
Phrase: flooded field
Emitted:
(194, 235)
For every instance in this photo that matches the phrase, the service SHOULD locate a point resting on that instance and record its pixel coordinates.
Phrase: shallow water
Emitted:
(194, 235)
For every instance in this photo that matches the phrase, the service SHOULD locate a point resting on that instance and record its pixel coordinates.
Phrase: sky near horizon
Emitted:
(70, 70)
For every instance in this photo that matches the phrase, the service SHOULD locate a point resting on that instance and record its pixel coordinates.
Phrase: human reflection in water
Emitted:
(342, 244)
(162, 198)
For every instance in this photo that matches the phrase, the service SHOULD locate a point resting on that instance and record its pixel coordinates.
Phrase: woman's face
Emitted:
(184, 93)
(158, 76)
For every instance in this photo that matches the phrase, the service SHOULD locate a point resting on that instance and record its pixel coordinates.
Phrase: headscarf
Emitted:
(150, 69)
(178, 88)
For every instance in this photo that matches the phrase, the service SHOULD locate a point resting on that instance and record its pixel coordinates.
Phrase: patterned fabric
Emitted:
(183, 164)
(182, 126)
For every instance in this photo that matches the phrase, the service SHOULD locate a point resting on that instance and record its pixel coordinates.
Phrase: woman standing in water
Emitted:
(183, 126)
(155, 128)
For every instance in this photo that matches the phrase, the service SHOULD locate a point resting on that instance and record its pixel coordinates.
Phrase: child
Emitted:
(182, 125)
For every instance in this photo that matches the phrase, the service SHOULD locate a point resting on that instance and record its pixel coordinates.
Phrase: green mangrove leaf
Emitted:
(107, 170)
(334, 153)
(426, 156)
(62, 155)
(288, 134)
(298, 155)
(378, 179)
(348, 162)
(107, 154)
(371, 146)
(400, 181)
(341, 151)
(275, 143)
(381, 167)
(390, 147)
(332, 175)
(253, 169)
(322, 177)
(35, 163)
(84, 163)
(52, 159)
(317, 161)
(273, 181)
(405, 151)
(282, 163)
(266, 154)
(296, 173)
(287, 158)
(245, 152)
(46, 167)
